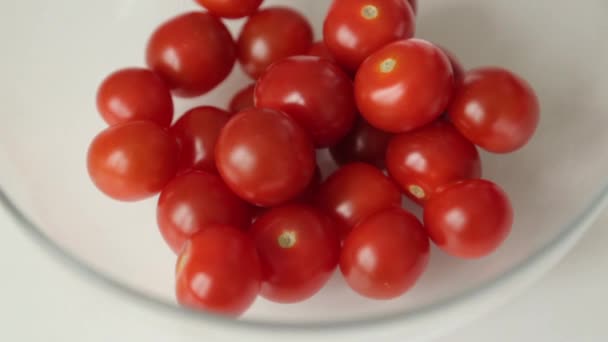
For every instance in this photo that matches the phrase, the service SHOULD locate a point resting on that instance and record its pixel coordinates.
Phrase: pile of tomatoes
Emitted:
(242, 200)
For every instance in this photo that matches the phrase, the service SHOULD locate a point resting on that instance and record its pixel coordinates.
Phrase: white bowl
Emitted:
(55, 53)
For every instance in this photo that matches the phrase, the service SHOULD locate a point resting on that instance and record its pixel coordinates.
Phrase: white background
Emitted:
(42, 300)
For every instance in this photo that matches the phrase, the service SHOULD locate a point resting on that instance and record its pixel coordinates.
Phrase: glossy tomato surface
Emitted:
(364, 143)
(354, 29)
(192, 53)
(299, 250)
(427, 159)
(385, 254)
(270, 35)
(230, 8)
(495, 109)
(314, 92)
(354, 192)
(195, 200)
(133, 94)
(133, 160)
(265, 157)
(242, 100)
(469, 219)
(218, 271)
(404, 85)
(197, 132)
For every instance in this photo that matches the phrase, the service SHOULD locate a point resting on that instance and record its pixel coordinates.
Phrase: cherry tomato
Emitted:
(314, 92)
(271, 35)
(495, 109)
(134, 94)
(195, 200)
(429, 158)
(265, 157)
(197, 132)
(355, 192)
(469, 219)
(218, 271)
(354, 29)
(385, 254)
(364, 143)
(403, 86)
(457, 67)
(230, 8)
(133, 160)
(320, 50)
(298, 249)
(193, 53)
(242, 100)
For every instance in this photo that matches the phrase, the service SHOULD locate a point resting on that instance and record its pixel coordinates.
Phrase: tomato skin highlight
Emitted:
(469, 219)
(385, 254)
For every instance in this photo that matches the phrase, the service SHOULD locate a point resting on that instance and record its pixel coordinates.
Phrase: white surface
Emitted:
(42, 300)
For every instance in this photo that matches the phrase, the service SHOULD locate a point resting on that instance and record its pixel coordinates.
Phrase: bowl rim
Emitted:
(570, 233)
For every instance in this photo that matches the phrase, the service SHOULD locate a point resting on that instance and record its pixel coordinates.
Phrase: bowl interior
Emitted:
(56, 53)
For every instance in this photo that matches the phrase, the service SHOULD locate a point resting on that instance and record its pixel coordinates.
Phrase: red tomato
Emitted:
(354, 29)
(135, 94)
(364, 143)
(314, 92)
(427, 159)
(218, 271)
(132, 161)
(242, 100)
(195, 200)
(271, 35)
(298, 249)
(308, 195)
(193, 53)
(265, 157)
(197, 132)
(355, 192)
(319, 49)
(385, 254)
(495, 109)
(230, 8)
(403, 86)
(457, 67)
(469, 219)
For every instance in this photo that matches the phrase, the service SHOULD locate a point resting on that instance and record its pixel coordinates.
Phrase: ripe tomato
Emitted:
(404, 85)
(242, 100)
(429, 158)
(354, 29)
(218, 271)
(133, 160)
(265, 157)
(364, 143)
(319, 49)
(193, 53)
(298, 249)
(314, 92)
(355, 192)
(385, 254)
(495, 109)
(195, 200)
(271, 35)
(134, 94)
(469, 219)
(197, 132)
(230, 8)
